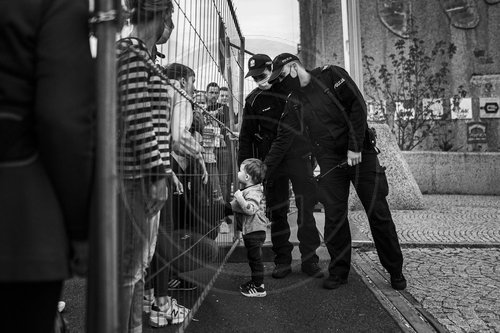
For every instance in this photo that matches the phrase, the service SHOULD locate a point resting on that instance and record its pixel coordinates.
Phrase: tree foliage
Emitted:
(409, 87)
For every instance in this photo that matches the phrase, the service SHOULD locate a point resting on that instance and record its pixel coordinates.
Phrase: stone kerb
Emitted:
(404, 193)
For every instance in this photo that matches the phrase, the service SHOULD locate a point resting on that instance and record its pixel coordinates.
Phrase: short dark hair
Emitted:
(175, 71)
(146, 10)
(212, 84)
(255, 169)
(224, 88)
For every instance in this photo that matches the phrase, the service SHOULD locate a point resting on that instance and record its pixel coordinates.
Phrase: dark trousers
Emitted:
(253, 244)
(177, 235)
(40, 297)
(370, 183)
(299, 172)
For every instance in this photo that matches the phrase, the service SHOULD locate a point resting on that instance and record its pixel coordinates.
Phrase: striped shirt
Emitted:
(144, 114)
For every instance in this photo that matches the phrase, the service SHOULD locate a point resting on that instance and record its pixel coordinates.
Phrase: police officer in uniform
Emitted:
(332, 112)
(260, 125)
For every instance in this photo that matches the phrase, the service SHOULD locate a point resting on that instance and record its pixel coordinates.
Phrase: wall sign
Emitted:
(476, 132)
(461, 108)
(432, 107)
(489, 107)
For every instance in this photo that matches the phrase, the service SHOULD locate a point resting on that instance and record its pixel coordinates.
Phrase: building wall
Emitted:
(475, 66)
(321, 33)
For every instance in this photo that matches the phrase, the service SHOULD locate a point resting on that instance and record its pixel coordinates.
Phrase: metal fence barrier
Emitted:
(168, 107)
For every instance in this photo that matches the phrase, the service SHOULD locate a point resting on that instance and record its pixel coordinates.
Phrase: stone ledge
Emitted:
(455, 172)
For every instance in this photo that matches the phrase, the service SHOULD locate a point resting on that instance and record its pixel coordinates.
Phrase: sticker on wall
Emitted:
(376, 110)
(404, 110)
(463, 14)
(394, 15)
(432, 108)
(476, 132)
(489, 107)
(461, 108)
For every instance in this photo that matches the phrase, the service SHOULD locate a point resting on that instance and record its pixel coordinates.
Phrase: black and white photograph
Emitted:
(241, 166)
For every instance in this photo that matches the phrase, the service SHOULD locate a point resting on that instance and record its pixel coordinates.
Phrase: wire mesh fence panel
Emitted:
(177, 64)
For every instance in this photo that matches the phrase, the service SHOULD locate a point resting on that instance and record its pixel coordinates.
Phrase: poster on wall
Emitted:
(376, 110)
(489, 107)
(476, 132)
(461, 108)
(404, 110)
(433, 108)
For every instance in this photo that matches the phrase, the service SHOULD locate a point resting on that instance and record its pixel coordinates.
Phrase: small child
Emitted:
(251, 221)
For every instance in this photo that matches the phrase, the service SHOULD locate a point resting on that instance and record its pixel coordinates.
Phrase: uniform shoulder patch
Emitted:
(338, 83)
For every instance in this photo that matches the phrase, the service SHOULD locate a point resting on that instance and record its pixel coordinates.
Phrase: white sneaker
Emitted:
(223, 228)
(162, 316)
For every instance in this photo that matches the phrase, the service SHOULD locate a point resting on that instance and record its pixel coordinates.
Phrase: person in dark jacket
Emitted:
(46, 156)
(332, 110)
(263, 118)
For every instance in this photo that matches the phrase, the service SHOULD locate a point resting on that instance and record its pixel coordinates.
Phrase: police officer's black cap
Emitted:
(257, 64)
(278, 63)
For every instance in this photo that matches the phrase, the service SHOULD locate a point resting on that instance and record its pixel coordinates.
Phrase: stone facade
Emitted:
(475, 66)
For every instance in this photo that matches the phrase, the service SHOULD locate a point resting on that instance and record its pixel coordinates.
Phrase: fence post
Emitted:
(102, 303)
(229, 77)
(241, 59)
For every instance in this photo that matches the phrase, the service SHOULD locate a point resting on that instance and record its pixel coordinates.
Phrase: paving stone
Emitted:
(447, 219)
(460, 302)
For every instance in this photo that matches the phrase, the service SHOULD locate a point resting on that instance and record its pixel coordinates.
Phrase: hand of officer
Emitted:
(353, 158)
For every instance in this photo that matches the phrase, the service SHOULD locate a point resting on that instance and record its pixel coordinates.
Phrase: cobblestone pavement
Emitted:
(459, 286)
(450, 219)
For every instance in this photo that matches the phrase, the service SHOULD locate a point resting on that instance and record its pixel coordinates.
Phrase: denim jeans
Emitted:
(253, 244)
(137, 231)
